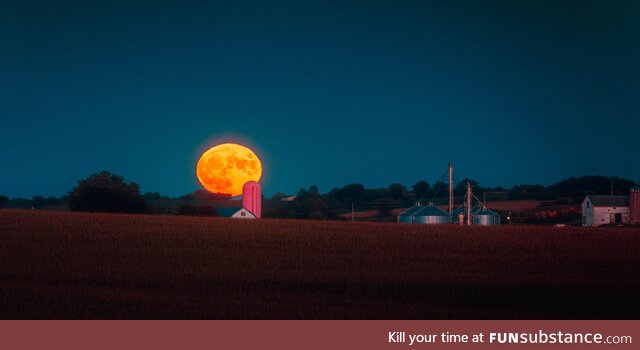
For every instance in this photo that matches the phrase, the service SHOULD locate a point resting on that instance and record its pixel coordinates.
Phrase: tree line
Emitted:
(106, 192)
(311, 204)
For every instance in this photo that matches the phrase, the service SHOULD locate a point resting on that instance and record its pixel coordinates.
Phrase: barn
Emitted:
(634, 205)
(604, 210)
(251, 204)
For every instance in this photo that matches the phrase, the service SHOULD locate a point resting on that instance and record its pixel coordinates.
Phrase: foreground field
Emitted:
(68, 265)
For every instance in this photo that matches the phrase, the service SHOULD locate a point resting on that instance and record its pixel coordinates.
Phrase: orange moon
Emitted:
(227, 167)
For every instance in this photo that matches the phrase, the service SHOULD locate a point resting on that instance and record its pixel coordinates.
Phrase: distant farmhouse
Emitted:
(605, 210)
(288, 199)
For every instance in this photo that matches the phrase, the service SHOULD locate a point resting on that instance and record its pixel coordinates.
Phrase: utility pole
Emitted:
(353, 214)
(450, 192)
(468, 203)
(611, 182)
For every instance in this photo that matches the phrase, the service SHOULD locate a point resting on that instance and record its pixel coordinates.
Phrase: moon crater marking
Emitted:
(227, 167)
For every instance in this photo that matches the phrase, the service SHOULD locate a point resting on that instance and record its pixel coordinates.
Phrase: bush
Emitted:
(3, 201)
(38, 202)
(52, 200)
(187, 209)
(383, 207)
(203, 210)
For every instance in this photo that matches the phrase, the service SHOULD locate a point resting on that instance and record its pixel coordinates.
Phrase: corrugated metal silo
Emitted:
(486, 217)
(431, 215)
(407, 216)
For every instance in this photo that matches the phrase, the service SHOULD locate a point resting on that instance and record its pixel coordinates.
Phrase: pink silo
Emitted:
(634, 205)
(252, 198)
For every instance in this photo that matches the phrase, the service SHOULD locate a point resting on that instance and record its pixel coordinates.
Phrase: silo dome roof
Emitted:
(463, 210)
(411, 211)
(485, 211)
(430, 211)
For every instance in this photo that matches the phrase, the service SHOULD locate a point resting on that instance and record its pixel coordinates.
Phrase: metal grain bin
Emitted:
(486, 217)
(431, 215)
(407, 216)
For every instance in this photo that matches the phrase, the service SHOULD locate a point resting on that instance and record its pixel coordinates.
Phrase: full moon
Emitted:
(227, 167)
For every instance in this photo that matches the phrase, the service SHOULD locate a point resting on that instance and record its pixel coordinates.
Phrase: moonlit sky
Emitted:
(326, 92)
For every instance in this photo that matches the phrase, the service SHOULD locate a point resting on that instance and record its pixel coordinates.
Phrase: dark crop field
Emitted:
(57, 265)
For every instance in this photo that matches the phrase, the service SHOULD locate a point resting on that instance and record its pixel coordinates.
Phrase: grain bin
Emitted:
(431, 215)
(486, 217)
(407, 216)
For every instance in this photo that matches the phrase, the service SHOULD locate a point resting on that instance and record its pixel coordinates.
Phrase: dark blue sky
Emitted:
(326, 92)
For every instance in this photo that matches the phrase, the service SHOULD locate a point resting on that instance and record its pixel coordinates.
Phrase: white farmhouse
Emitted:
(603, 210)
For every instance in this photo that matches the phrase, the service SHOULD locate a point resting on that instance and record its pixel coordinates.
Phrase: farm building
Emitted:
(235, 212)
(634, 205)
(431, 215)
(407, 215)
(252, 198)
(480, 215)
(428, 214)
(465, 214)
(251, 204)
(604, 210)
(485, 217)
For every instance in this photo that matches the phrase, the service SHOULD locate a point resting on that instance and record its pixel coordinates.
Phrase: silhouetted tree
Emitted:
(313, 190)
(203, 210)
(206, 210)
(278, 196)
(420, 188)
(38, 202)
(205, 195)
(3, 201)
(527, 192)
(187, 209)
(579, 187)
(383, 206)
(105, 192)
(397, 191)
(151, 196)
(275, 212)
(310, 204)
(461, 188)
(350, 193)
(52, 200)
(370, 195)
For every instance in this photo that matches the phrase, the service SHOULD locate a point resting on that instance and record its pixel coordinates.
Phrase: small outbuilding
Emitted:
(604, 210)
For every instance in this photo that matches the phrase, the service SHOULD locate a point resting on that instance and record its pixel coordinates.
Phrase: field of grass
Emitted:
(102, 266)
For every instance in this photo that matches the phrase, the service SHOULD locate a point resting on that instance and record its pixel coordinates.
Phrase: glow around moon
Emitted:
(225, 168)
